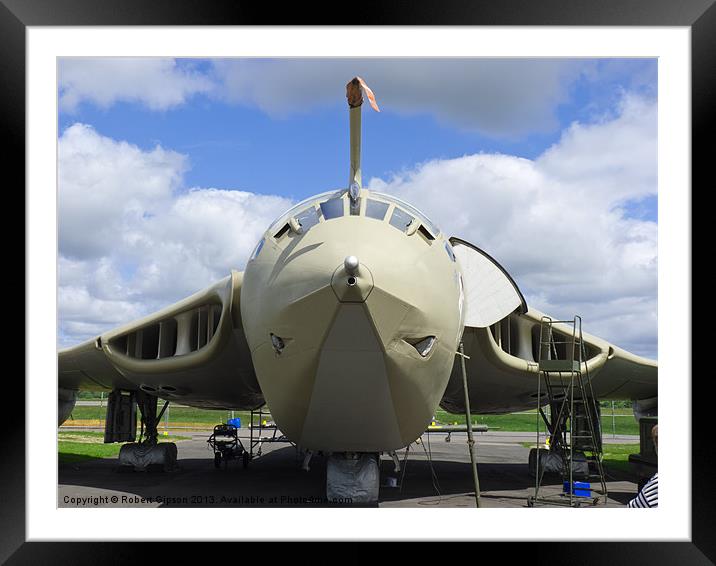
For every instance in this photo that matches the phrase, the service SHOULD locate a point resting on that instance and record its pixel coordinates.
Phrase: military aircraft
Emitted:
(346, 322)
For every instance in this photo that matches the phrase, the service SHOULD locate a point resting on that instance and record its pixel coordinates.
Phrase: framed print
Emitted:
(511, 97)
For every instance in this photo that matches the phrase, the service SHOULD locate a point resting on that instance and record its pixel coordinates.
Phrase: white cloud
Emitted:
(132, 242)
(488, 95)
(499, 97)
(202, 236)
(609, 159)
(160, 84)
(107, 187)
(556, 222)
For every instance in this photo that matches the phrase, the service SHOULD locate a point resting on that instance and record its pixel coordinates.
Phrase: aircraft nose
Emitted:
(351, 264)
(352, 281)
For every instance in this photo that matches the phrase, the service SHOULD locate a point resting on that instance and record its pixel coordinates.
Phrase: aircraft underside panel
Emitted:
(351, 397)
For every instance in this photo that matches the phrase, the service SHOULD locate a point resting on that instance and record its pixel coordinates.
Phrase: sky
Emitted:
(171, 169)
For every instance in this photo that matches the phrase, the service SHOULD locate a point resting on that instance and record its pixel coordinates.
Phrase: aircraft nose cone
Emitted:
(351, 264)
(351, 281)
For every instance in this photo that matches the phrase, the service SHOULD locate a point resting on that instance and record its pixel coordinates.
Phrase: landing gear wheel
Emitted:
(530, 502)
(245, 459)
(217, 460)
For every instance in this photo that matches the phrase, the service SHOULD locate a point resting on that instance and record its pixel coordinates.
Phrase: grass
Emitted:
(205, 419)
(527, 422)
(80, 446)
(616, 456)
(182, 417)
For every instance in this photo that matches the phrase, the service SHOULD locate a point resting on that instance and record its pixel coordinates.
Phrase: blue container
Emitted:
(581, 488)
(236, 422)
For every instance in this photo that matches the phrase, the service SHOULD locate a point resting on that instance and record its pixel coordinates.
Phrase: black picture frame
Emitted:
(698, 15)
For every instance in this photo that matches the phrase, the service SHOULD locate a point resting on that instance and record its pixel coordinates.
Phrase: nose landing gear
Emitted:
(353, 477)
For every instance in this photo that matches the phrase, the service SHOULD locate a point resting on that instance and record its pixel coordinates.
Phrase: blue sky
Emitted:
(243, 147)
(485, 147)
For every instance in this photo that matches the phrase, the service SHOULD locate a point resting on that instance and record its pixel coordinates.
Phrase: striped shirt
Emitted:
(649, 494)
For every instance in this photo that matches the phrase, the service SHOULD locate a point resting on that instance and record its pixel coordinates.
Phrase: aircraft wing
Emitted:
(194, 351)
(502, 337)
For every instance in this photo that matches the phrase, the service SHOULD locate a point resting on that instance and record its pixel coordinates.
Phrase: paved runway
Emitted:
(436, 474)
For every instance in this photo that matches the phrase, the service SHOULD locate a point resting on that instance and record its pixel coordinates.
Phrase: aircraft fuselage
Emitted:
(353, 310)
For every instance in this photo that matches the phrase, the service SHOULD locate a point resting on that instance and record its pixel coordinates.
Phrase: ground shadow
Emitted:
(276, 480)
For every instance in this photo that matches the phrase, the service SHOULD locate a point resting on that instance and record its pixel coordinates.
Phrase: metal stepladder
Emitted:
(574, 422)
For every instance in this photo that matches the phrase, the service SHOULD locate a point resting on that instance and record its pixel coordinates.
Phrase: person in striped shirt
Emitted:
(649, 494)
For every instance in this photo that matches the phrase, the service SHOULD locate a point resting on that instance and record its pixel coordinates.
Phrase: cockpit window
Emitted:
(434, 230)
(449, 251)
(307, 218)
(376, 209)
(332, 205)
(332, 208)
(400, 219)
(294, 210)
(257, 249)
